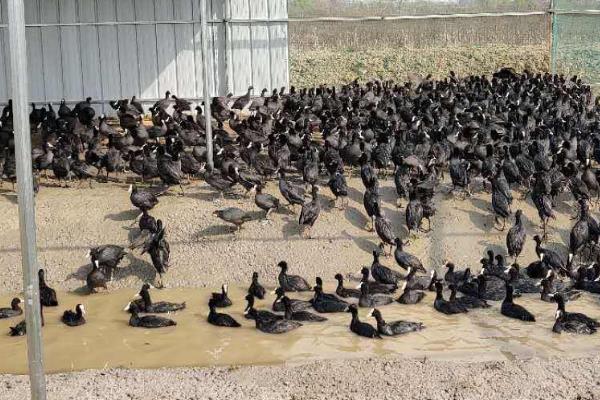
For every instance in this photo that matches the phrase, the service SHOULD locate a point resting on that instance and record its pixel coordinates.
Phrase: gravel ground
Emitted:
(360, 379)
(206, 253)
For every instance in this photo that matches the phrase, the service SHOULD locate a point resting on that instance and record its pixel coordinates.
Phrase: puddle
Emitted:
(107, 341)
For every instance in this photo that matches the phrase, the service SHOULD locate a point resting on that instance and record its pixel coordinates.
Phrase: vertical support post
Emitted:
(553, 37)
(205, 73)
(228, 46)
(31, 289)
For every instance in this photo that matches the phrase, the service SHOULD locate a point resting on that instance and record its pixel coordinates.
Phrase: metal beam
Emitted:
(31, 288)
(206, 80)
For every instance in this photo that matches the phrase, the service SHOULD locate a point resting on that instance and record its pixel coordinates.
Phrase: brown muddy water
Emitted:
(107, 341)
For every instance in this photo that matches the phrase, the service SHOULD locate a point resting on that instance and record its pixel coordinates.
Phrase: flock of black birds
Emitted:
(534, 133)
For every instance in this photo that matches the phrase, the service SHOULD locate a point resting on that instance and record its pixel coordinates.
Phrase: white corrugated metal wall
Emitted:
(107, 49)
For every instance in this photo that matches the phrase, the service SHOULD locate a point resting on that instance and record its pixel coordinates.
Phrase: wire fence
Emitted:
(341, 40)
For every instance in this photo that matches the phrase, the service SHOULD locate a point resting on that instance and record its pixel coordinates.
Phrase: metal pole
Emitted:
(205, 76)
(31, 289)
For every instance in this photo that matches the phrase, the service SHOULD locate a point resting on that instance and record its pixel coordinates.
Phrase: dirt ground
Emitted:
(205, 253)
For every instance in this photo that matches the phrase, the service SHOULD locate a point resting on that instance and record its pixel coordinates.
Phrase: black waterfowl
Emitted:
(147, 306)
(291, 283)
(414, 212)
(372, 300)
(142, 199)
(233, 216)
(446, 307)
(372, 202)
(95, 278)
(469, 302)
(515, 238)
(345, 292)
(410, 296)
(572, 322)
(326, 304)
(384, 230)
(547, 292)
(361, 328)
(263, 313)
(109, 256)
(420, 282)
(18, 330)
(383, 274)
(339, 188)
(147, 321)
(405, 259)
(512, 310)
(265, 201)
(74, 318)
(256, 289)
(582, 283)
(219, 319)
(296, 304)
(550, 257)
(454, 277)
(299, 315)
(221, 299)
(270, 325)
(310, 213)
(376, 287)
(394, 328)
(47, 294)
(13, 311)
(521, 282)
(292, 193)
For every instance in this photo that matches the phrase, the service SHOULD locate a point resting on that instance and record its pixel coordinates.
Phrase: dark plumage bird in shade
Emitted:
(384, 229)
(264, 313)
(369, 300)
(515, 239)
(47, 294)
(339, 188)
(405, 259)
(444, 306)
(14, 310)
(345, 292)
(374, 286)
(109, 256)
(296, 304)
(291, 283)
(219, 319)
(95, 278)
(512, 310)
(299, 315)
(142, 199)
(572, 322)
(147, 321)
(394, 328)
(21, 328)
(146, 305)
(383, 274)
(74, 318)
(256, 289)
(233, 216)
(467, 301)
(266, 202)
(221, 298)
(273, 326)
(292, 193)
(410, 296)
(310, 213)
(324, 303)
(361, 328)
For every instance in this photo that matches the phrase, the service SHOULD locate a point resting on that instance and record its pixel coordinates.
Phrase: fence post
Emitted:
(553, 37)
(31, 289)
(205, 76)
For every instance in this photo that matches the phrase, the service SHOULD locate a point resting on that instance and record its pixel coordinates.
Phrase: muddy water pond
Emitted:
(107, 341)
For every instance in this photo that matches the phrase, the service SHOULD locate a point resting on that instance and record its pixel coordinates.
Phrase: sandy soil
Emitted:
(360, 379)
(206, 253)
